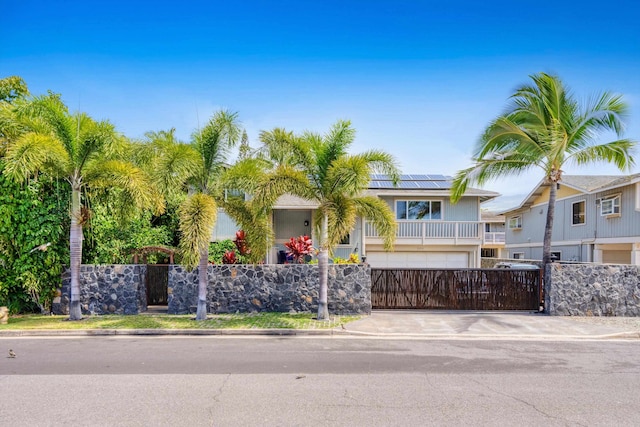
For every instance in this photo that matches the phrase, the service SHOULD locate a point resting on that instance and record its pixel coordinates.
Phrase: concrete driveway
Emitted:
(492, 324)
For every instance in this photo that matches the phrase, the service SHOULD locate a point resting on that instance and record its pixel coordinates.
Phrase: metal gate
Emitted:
(456, 289)
(157, 284)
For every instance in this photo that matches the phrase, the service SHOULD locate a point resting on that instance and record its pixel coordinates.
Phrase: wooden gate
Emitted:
(157, 284)
(456, 289)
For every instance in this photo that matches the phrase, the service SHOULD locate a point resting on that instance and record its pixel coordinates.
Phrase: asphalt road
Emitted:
(294, 381)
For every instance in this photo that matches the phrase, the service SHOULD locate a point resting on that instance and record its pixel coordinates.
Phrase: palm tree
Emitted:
(80, 150)
(318, 167)
(213, 144)
(545, 127)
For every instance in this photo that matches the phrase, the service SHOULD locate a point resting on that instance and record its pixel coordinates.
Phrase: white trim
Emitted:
(412, 199)
(612, 198)
(539, 245)
(518, 222)
(629, 239)
(584, 213)
(559, 200)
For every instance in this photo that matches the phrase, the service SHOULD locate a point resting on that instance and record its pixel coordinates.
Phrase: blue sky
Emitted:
(418, 79)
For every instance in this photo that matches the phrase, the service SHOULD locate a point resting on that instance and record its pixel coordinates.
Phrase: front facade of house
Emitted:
(432, 232)
(494, 235)
(597, 219)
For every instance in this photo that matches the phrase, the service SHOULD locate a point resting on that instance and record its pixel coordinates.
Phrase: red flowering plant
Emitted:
(229, 257)
(241, 243)
(299, 247)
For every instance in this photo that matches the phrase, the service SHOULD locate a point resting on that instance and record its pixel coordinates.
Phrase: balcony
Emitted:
(495, 238)
(431, 232)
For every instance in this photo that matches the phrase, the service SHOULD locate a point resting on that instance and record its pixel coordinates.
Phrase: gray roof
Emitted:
(584, 183)
(590, 183)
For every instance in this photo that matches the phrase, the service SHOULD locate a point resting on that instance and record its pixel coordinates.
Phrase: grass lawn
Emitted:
(166, 321)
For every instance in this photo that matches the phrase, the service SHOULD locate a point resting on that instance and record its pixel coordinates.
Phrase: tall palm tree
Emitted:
(318, 167)
(80, 150)
(545, 127)
(213, 144)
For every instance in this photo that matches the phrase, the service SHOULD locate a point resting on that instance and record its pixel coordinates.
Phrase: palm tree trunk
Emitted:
(546, 245)
(323, 271)
(75, 250)
(203, 279)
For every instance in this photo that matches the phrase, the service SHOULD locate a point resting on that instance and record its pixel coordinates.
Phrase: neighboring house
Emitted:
(494, 235)
(597, 219)
(432, 232)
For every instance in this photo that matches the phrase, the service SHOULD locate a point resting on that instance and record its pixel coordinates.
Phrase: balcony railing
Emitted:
(495, 237)
(426, 230)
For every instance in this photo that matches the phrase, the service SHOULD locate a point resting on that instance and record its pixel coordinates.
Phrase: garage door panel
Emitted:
(418, 260)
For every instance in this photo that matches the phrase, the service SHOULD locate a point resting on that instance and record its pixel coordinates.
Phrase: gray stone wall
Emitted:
(106, 289)
(271, 287)
(595, 290)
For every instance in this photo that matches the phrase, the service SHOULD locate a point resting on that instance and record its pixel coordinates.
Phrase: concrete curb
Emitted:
(305, 332)
(170, 332)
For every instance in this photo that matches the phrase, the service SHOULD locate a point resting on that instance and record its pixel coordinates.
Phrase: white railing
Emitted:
(432, 230)
(495, 237)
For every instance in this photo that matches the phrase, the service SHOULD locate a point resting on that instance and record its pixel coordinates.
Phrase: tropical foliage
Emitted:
(544, 127)
(319, 168)
(212, 145)
(32, 215)
(87, 153)
(298, 248)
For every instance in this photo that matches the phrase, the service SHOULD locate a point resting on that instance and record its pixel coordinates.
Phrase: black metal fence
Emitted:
(456, 289)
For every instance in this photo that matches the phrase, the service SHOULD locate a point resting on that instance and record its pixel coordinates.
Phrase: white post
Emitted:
(635, 254)
(597, 254)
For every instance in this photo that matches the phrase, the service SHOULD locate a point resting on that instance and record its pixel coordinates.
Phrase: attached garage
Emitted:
(418, 259)
(616, 257)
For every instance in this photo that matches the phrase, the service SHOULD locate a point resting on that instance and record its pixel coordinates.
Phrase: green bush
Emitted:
(31, 215)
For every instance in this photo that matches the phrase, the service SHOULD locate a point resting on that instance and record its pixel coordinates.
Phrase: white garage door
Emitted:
(418, 259)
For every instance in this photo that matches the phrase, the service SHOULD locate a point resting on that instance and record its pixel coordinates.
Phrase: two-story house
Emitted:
(597, 219)
(432, 232)
(494, 234)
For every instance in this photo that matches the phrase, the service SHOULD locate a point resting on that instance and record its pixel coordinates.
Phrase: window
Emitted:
(418, 209)
(556, 256)
(488, 253)
(515, 222)
(487, 228)
(610, 205)
(345, 240)
(578, 211)
(517, 255)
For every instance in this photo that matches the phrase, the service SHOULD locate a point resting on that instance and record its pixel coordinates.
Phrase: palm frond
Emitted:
(136, 186)
(380, 214)
(617, 152)
(197, 219)
(281, 181)
(34, 152)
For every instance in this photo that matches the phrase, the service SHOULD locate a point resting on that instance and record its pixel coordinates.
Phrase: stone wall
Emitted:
(595, 290)
(121, 289)
(106, 289)
(271, 287)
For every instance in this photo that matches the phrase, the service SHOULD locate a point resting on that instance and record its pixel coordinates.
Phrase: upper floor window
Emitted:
(578, 213)
(610, 205)
(418, 209)
(515, 222)
(346, 240)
